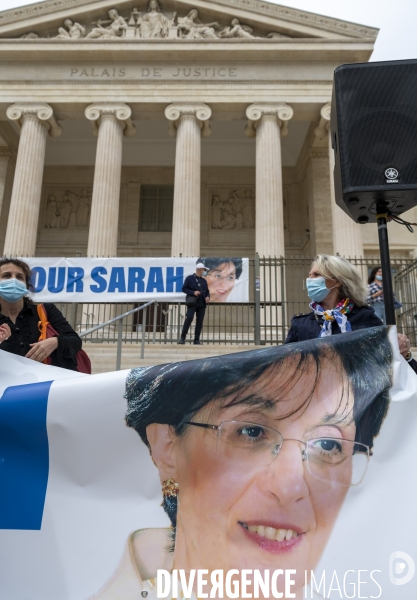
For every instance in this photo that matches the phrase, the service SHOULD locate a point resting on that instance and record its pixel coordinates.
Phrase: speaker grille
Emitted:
(377, 122)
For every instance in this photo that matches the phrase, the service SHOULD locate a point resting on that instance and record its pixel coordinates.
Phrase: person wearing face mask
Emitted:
(19, 320)
(375, 297)
(338, 304)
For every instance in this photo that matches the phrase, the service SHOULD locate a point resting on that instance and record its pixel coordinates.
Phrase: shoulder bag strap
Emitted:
(43, 322)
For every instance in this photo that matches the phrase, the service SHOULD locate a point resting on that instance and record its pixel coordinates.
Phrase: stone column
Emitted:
(268, 122)
(189, 122)
(110, 122)
(347, 235)
(5, 155)
(35, 122)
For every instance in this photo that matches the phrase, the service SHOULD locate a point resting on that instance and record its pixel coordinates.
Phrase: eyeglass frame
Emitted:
(304, 455)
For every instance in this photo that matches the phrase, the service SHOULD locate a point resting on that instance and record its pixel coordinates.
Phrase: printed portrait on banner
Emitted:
(256, 453)
(281, 470)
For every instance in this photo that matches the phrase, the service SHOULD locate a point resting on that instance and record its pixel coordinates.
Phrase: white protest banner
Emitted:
(134, 279)
(299, 470)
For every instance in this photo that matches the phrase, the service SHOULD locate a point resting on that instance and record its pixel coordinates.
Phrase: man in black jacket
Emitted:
(195, 285)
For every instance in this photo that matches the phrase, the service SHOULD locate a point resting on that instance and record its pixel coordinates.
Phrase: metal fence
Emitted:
(405, 284)
(276, 293)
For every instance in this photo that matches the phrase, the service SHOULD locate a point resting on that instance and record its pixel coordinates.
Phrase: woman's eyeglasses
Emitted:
(218, 276)
(339, 461)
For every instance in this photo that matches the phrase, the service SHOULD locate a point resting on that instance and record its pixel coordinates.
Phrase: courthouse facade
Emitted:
(157, 128)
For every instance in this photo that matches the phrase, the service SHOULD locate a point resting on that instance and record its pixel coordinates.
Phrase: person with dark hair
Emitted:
(221, 276)
(19, 318)
(376, 294)
(197, 296)
(256, 452)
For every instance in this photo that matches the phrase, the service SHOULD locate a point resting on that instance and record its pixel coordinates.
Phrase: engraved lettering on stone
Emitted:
(194, 72)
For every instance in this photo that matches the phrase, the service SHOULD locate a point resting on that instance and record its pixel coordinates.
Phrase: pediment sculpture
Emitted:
(152, 24)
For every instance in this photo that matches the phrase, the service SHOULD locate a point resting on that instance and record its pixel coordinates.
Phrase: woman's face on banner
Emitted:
(221, 281)
(234, 513)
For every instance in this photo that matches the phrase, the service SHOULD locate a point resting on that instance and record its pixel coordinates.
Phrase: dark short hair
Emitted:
(22, 265)
(172, 394)
(214, 263)
(372, 274)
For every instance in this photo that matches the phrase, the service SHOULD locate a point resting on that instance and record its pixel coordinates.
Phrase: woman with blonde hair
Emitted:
(338, 304)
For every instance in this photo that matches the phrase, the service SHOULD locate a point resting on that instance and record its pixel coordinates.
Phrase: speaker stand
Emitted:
(386, 267)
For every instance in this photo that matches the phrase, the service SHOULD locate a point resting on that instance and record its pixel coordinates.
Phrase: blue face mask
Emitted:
(316, 288)
(12, 290)
(379, 277)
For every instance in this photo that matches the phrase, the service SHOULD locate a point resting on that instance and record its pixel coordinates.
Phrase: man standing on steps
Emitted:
(195, 287)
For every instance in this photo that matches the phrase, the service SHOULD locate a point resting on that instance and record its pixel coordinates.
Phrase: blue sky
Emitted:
(396, 20)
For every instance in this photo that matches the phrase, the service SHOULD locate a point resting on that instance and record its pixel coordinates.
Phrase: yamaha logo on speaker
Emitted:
(392, 175)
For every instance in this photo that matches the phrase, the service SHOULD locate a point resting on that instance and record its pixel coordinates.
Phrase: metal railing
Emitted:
(119, 320)
(276, 293)
(405, 286)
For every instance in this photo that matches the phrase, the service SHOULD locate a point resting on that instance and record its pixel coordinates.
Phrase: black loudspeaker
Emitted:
(374, 138)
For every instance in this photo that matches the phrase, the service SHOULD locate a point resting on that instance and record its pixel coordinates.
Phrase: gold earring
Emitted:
(170, 488)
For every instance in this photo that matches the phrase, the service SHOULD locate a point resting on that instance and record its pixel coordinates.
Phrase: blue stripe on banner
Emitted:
(24, 455)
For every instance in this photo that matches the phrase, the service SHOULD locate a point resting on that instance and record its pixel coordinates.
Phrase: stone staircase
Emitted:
(103, 355)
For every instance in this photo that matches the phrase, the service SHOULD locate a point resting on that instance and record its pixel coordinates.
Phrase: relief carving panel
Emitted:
(233, 208)
(67, 209)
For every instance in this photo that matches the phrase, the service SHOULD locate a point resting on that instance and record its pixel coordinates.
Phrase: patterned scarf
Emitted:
(337, 314)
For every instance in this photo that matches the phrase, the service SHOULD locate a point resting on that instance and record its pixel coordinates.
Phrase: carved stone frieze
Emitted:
(67, 209)
(151, 23)
(233, 208)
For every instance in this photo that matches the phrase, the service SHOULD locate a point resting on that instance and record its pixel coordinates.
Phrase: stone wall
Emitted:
(227, 212)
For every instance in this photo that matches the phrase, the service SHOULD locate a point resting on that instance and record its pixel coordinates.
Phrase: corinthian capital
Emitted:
(323, 127)
(281, 111)
(200, 111)
(118, 110)
(41, 111)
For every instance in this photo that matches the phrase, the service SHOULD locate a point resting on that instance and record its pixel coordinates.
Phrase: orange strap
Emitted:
(43, 323)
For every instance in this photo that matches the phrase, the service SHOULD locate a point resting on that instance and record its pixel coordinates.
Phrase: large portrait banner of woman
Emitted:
(227, 278)
(284, 472)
